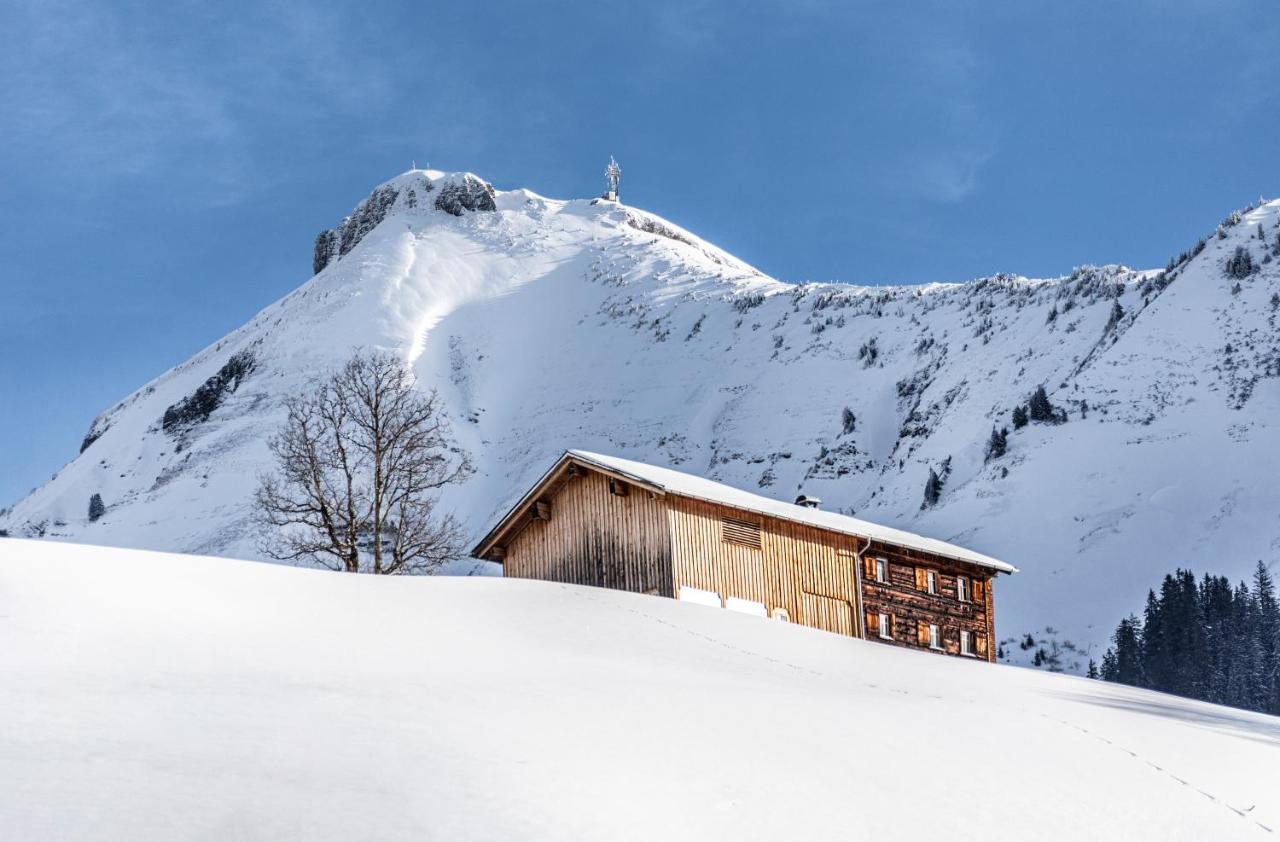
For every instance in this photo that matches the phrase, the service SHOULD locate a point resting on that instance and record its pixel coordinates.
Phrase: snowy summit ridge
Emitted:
(549, 325)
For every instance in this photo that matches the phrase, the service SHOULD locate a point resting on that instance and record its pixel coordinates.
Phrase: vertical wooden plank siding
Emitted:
(656, 544)
(800, 569)
(596, 538)
(826, 613)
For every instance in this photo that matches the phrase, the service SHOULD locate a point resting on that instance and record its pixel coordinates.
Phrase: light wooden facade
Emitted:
(587, 522)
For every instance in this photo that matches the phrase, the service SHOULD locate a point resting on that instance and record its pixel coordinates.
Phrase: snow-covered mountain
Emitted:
(551, 324)
(136, 706)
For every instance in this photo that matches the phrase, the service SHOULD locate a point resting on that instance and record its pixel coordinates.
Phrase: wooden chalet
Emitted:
(614, 523)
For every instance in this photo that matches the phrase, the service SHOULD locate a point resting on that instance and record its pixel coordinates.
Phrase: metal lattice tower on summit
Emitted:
(612, 174)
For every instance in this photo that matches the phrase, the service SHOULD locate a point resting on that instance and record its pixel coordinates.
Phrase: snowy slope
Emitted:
(549, 325)
(136, 706)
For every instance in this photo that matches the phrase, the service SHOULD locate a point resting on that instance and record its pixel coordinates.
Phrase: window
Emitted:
(966, 643)
(875, 570)
(781, 614)
(935, 637)
(962, 589)
(931, 581)
(742, 532)
(886, 626)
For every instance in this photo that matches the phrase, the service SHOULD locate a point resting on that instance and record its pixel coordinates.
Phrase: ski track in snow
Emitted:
(586, 593)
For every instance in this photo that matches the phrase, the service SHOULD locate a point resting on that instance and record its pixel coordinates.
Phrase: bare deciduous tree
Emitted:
(360, 461)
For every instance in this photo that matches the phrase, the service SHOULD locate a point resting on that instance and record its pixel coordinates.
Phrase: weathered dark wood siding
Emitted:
(594, 537)
(909, 605)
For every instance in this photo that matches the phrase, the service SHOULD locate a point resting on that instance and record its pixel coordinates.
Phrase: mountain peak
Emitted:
(412, 191)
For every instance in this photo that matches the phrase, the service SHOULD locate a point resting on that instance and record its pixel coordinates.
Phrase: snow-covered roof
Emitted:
(669, 481)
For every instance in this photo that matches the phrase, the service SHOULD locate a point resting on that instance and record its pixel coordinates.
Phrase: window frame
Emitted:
(932, 585)
(964, 592)
(966, 644)
(935, 634)
(882, 571)
(885, 631)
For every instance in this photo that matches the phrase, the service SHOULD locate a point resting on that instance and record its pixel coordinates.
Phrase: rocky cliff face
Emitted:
(551, 324)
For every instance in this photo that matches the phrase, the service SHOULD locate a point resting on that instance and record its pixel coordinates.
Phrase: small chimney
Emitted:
(808, 502)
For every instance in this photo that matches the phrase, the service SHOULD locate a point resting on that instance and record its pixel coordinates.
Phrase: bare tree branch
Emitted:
(359, 461)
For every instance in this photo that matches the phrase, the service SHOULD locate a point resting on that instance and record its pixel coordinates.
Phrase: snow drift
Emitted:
(150, 696)
(548, 325)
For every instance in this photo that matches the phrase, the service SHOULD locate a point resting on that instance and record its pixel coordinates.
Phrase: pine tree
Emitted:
(1117, 313)
(1019, 417)
(96, 507)
(1217, 607)
(848, 420)
(1187, 638)
(998, 444)
(1093, 669)
(1267, 634)
(1154, 662)
(1123, 661)
(1174, 651)
(1245, 688)
(1040, 409)
(1204, 640)
(932, 490)
(1240, 265)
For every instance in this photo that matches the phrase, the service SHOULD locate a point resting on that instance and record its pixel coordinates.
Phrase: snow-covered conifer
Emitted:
(96, 507)
(1040, 409)
(998, 443)
(1117, 313)
(932, 490)
(1240, 265)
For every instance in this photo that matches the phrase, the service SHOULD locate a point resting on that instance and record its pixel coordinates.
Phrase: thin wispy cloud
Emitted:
(944, 160)
(923, 55)
(124, 92)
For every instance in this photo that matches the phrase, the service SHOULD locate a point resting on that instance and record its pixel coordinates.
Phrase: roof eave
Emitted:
(577, 457)
(569, 457)
(994, 565)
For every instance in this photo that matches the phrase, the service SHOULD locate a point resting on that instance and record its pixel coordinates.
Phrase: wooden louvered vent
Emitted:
(740, 532)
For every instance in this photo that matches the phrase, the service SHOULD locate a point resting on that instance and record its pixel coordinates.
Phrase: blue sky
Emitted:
(164, 167)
